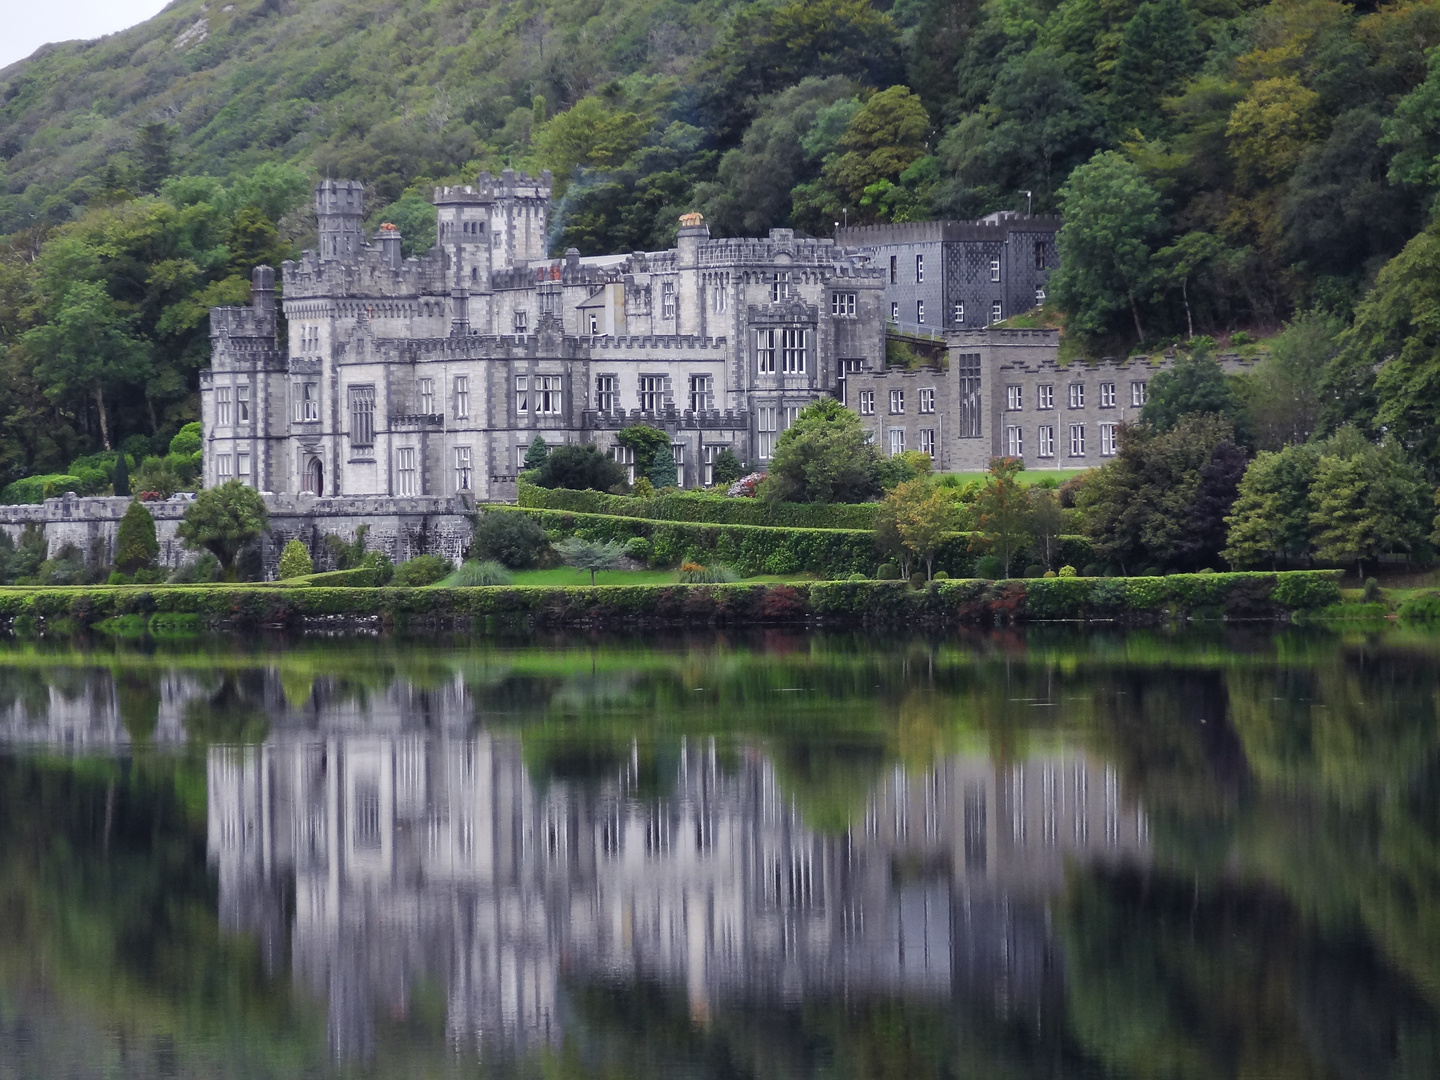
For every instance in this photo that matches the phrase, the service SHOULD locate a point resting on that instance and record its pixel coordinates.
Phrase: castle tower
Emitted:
(340, 206)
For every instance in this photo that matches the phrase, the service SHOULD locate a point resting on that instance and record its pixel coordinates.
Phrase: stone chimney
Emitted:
(262, 298)
(389, 239)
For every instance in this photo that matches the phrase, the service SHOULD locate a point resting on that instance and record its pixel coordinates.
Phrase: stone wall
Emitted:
(400, 527)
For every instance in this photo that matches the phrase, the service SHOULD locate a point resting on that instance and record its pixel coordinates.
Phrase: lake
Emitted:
(1209, 853)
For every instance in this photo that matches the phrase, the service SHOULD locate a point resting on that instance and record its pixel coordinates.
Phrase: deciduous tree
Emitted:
(1003, 522)
(222, 520)
(823, 457)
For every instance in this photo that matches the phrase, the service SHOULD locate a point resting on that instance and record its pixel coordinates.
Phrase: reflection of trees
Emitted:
(1176, 978)
(234, 713)
(110, 914)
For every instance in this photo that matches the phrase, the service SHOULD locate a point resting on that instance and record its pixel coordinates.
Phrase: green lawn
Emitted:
(1026, 478)
(567, 576)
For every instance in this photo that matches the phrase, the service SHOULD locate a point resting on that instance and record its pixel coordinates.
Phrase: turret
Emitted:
(389, 240)
(340, 208)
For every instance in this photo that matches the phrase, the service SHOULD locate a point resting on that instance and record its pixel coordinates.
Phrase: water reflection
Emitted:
(1133, 856)
(414, 859)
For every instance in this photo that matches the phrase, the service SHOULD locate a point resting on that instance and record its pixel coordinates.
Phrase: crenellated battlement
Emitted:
(488, 188)
(370, 274)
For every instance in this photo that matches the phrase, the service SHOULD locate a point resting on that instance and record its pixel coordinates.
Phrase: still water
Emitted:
(776, 855)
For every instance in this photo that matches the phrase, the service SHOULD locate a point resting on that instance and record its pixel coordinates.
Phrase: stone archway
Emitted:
(315, 477)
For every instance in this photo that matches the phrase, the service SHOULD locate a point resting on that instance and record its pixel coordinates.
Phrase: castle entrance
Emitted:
(315, 477)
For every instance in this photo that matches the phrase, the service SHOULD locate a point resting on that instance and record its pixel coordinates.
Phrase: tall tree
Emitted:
(1270, 519)
(881, 141)
(1112, 219)
(1002, 511)
(823, 457)
(1368, 500)
(1158, 50)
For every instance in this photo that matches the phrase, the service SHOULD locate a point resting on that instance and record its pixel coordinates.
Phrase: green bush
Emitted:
(702, 507)
(887, 572)
(36, 489)
(1034, 570)
(421, 570)
(579, 467)
(638, 549)
(1069, 571)
(989, 567)
(1307, 590)
(136, 546)
(295, 561)
(1422, 608)
(380, 563)
(474, 573)
(515, 540)
(940, 575)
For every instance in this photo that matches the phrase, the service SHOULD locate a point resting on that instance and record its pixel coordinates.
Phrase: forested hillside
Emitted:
(1224, 166)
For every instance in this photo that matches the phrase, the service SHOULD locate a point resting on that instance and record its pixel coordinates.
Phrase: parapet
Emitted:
(488, 189)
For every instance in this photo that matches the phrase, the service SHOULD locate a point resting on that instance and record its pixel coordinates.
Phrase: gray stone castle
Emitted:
(432, 376)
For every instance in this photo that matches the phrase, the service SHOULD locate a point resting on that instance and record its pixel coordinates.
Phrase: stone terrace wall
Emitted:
(400, 527)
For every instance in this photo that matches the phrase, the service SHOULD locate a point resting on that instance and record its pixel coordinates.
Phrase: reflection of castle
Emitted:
(440, 860)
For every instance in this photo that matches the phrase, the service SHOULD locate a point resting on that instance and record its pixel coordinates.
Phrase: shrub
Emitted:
(940, 575)
(579, 467)
(420, 571)
(515, 540)
(1307, 590)
(295, 561)
(475, 573)
(888, 572)
(188, 439)
(638, 549)
(1069, 571)
(118, 577)
(917, 580)
(224, 519)
(1051, 573)
(782, 562)
(1034, 570)
(380, 564)
(135, 544)
(727, 468)
(1371, 594)
(988, 567)
(715, 574)
(643, 488)
(1091, 570)
(36, 489)
(590, 555)
(67, 567)
(861, 577)
(347, 554)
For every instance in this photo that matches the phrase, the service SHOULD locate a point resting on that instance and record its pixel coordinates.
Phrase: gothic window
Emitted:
(407, 471)
(462, 397)
(307, 404)
(222, 406)
(522, 322)
(968, 370)
(464, 474)
(362, 416)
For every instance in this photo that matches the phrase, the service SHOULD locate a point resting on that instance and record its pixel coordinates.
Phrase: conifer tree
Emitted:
(1158, 50)
(136, 546)
(537, 453)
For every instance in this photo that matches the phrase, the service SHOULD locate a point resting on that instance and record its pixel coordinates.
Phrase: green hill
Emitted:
(1223, 165)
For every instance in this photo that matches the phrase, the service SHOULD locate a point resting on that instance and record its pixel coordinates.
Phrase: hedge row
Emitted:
(749, 549)
(1270, 596)
(697, 507)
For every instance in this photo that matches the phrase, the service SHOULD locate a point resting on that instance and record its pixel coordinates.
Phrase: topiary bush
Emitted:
(420, 571)
(1069, 571)
(1034, 570)
(887, 572)
(295, 561)
(136, 546)
(514, 540)
(989, 567)
(638, 549)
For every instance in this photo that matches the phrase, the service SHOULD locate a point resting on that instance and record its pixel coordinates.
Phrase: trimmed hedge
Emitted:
(702, 508)
(1250, 596)
(361, 577)
(31, 489)
(749, 549)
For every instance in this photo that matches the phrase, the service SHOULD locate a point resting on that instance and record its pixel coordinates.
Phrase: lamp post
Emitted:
(1029, 203)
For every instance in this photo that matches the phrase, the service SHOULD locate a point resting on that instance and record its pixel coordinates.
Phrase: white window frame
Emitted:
(766, 346)
(667, 300)
(767, 423)
(1045, 441)
(427, 397)
(1077, 440)
(677, 452)
(651, 392)
(1039, 295)
(594, 323)
(720, 299)
(1014, 442)
(700, 392)
(223, 464)
(927, 400)
(867, 402)
(307, 406)
(606, 393)
(407, 471)
(897, 402)
(842, 305)
(522, 321)
(959, 313)
(222, 406)
(919, 269)
(1137, 394)
(549, 395)
(242, 403)
(895, 311)
(242, 464)
(1108, 440)
(1077, 395)
(997, 312)
(793, 346)
(1014, 397)
(464, 469)
(897, 441)
(625, 455)
(522, 394)
(1045, 397)
(920, 312)
(780, 286)
(1107, 395)
(926, 441)
(995, 270)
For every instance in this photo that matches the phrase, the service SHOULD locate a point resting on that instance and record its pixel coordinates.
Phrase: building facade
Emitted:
(431, 376)
(1005, 393)
(954, 275)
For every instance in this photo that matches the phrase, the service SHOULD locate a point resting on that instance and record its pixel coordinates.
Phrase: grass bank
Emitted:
(165, 610)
